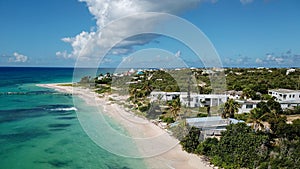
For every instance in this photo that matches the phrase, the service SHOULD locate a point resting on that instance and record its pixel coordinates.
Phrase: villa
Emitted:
(196, 100)
(247, 105)
(285, 94)
(211, 126)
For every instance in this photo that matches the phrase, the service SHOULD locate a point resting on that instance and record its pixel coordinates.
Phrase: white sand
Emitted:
(155, 144)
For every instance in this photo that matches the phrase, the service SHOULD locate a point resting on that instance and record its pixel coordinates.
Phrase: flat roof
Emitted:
(284, 91)
(290, 102)
(212, 121)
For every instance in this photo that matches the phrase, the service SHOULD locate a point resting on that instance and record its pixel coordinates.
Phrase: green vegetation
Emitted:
(230, 108)
(241, 146)
(251, 80)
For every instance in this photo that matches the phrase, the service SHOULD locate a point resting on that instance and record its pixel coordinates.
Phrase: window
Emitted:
(249, 106)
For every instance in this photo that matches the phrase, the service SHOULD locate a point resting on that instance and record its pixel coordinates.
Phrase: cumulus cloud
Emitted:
(106, 11)
(287, 58)
(18, 58)
(244, 2)
(258, 61)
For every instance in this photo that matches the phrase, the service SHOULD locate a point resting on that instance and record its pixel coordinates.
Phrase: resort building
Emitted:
(289, 103)
(201, 100)
(211, 126)
(196, 100)
(285, 94)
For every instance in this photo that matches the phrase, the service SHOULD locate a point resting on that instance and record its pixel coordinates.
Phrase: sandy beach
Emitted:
(156, 146)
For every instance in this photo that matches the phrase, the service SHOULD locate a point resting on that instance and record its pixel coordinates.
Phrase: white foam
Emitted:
(64, 109)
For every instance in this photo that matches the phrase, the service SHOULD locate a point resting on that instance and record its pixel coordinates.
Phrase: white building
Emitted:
(201, 100)
(285, 94)
(289, 103)
(163, 96)
(290, 71)
(196, 100)
(247, 105)
(211, 126)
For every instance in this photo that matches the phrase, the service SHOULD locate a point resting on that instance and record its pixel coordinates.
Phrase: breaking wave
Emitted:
(64, 109)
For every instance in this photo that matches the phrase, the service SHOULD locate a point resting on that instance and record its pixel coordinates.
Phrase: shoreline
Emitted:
(158, 149)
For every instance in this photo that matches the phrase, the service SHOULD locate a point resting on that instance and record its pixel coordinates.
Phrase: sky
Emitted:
(68, 33)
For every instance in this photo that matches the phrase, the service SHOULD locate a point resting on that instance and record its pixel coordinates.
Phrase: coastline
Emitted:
(159, 149)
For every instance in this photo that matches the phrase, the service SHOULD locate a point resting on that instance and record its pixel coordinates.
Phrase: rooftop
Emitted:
(284, 91)
(213, 121)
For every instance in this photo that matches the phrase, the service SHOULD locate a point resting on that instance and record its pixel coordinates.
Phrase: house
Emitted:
(285, 94)
(211, 126)
(290, 71)
(196, 100)
(201, 100)
(247, 105)
(163, 96)
(289, 103)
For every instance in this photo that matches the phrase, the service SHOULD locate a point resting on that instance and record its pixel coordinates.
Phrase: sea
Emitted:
(39, 128)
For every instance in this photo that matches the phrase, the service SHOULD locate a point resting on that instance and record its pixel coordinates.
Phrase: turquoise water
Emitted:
(40, 129)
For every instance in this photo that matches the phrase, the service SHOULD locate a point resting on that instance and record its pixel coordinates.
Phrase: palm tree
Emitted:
(230, 108)
(147, 88)
(174, 107)
(255, 117)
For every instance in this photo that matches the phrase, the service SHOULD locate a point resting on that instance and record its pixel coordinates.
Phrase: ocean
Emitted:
(39, 128)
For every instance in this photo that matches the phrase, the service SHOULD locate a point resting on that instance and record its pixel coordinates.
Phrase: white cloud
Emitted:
(271, 58)
(258, 61)
(18, 58)
(106, 11)
(244, 2)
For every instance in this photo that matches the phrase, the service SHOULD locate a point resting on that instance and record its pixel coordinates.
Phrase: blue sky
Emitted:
(245, 33)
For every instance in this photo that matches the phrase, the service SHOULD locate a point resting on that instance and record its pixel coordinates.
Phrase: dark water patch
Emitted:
(50, 150)
(110, 167)
(64, 142)
(66, 118)
(20, 114)
(23, 136)
(58, 125)
(31, 93)
(59, 113)
(57, 163)
(8, 147)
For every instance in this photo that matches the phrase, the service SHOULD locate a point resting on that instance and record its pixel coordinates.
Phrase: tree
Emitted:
(239, 147)
(147, 88)
(207, 147)
(174, 107)
(230, 108)
(255, 117)
(191, 141)
(248, 93)
(274, 105)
